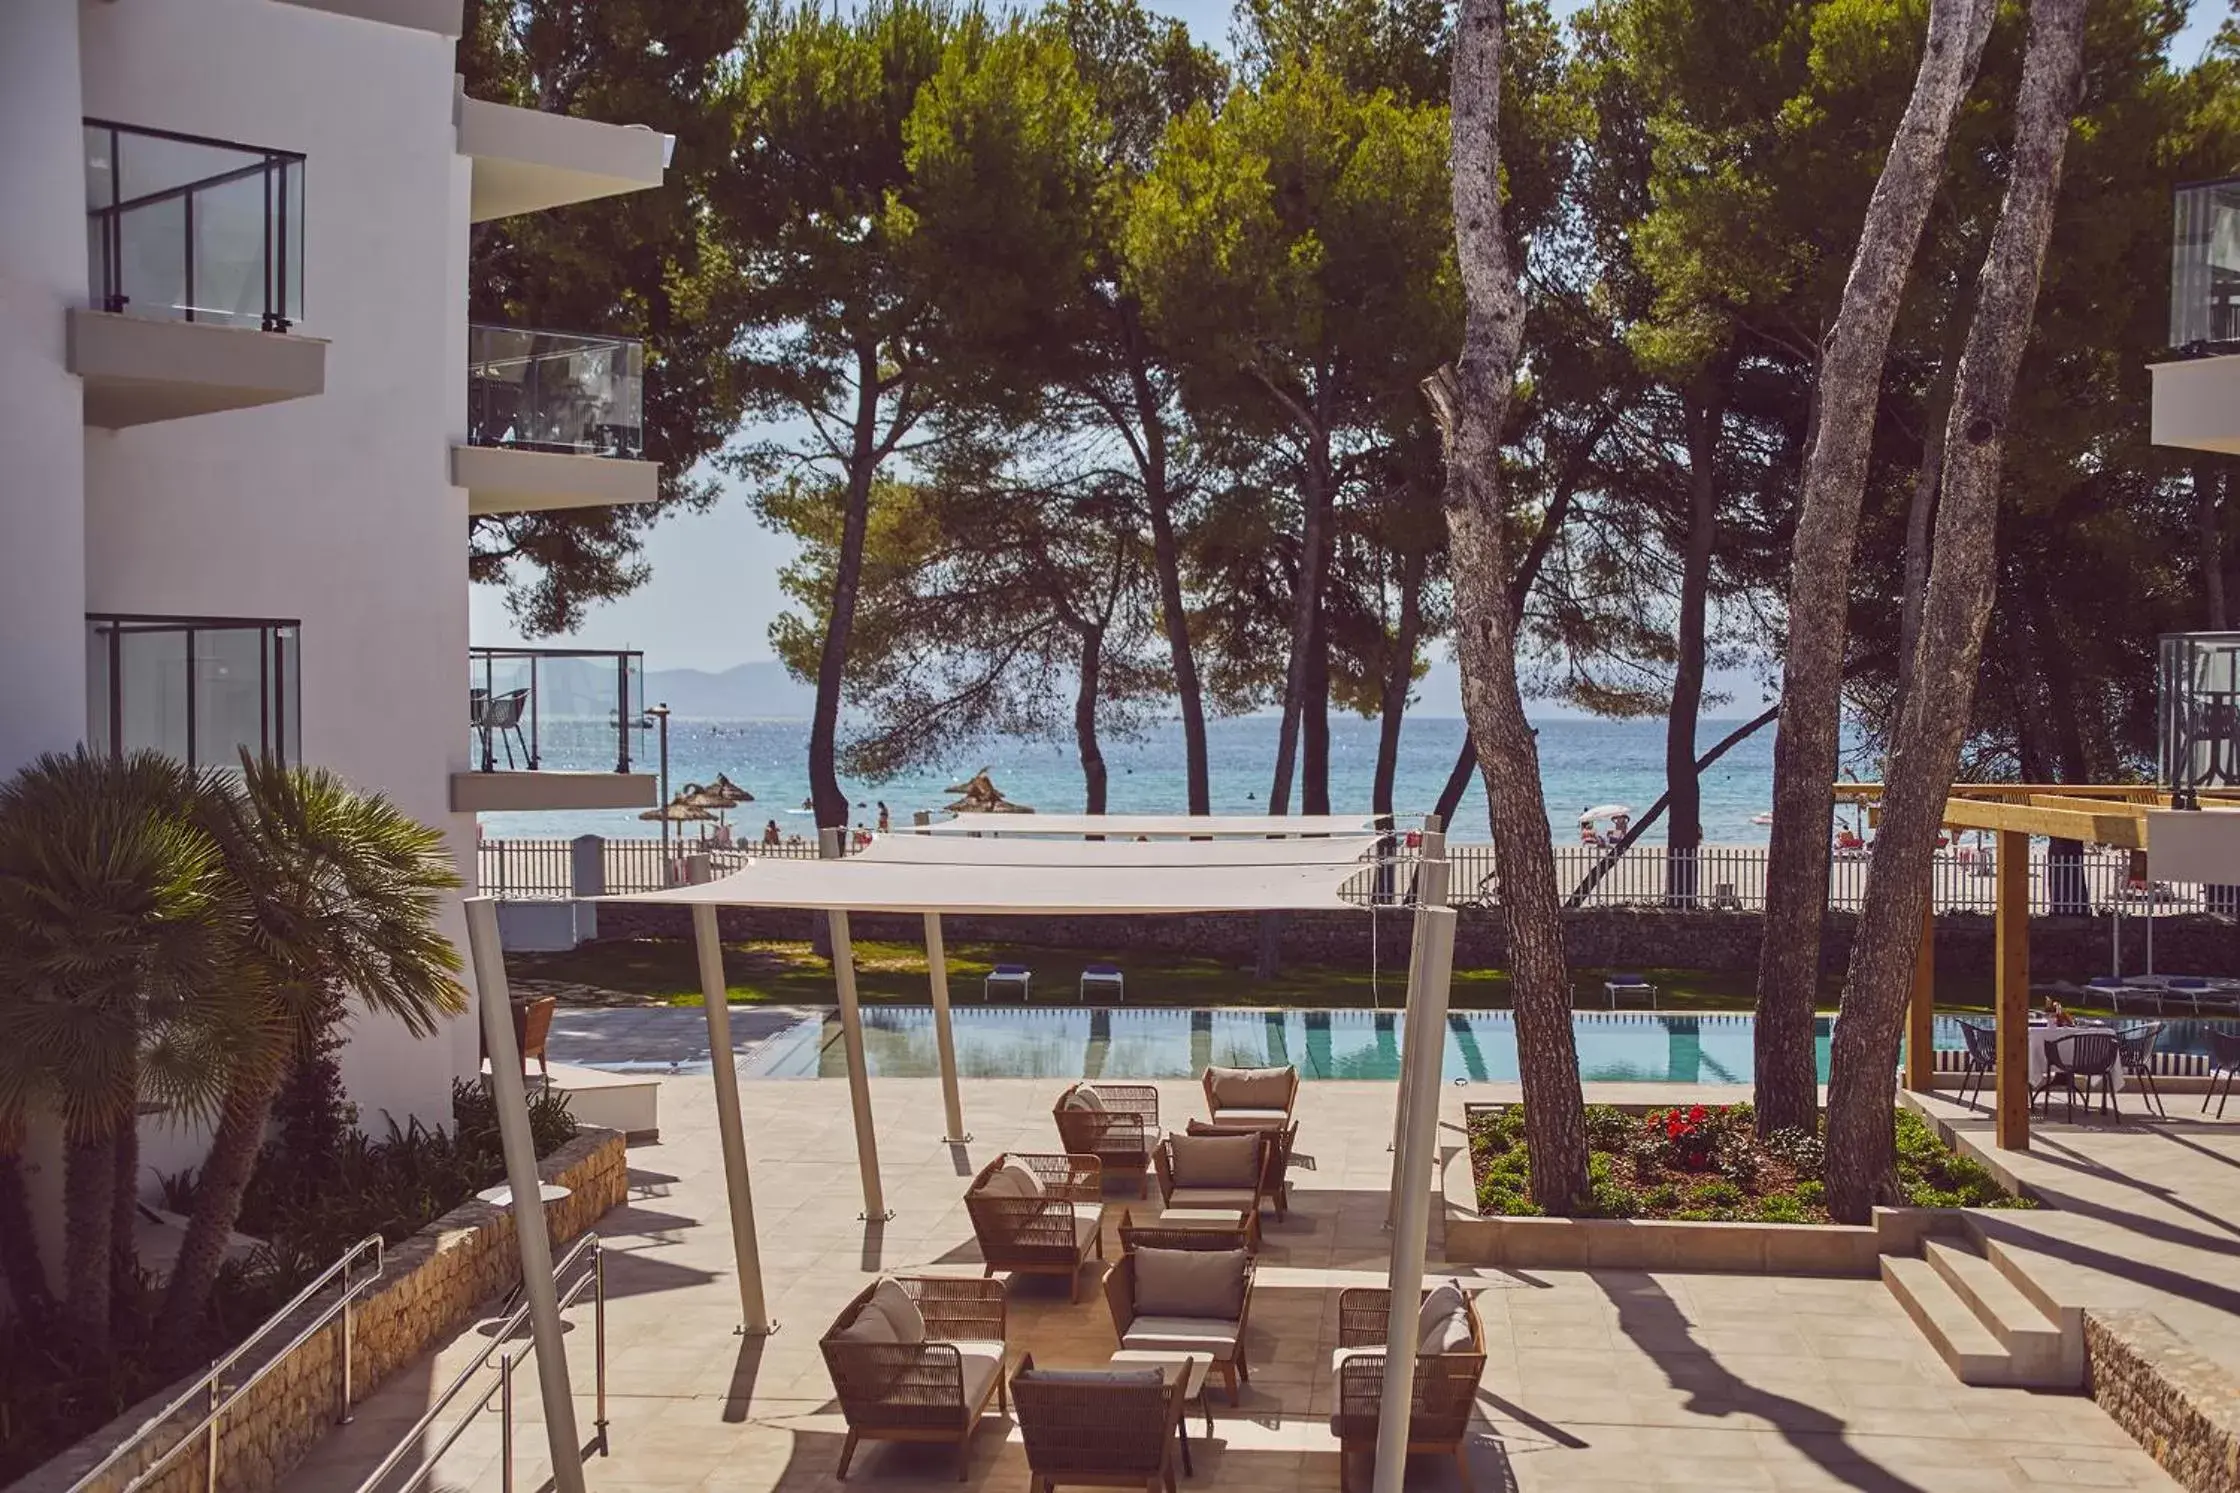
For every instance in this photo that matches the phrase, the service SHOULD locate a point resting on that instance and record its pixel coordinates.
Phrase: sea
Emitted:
(1583, 764)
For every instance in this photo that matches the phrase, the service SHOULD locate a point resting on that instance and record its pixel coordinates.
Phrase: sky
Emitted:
(714, 591)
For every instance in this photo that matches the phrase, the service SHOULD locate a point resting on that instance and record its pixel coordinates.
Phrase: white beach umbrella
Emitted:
(1604, 811)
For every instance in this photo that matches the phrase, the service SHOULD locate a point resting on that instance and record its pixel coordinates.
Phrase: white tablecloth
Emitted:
(2042, 1037)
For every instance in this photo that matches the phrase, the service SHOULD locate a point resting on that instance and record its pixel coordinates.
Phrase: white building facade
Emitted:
(236, 453)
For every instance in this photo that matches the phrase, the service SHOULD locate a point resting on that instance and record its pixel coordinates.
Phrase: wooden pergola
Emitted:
(2101, 814)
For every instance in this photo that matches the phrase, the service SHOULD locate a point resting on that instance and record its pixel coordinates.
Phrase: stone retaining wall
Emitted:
(2182, 1408)
(1596, 937)
(433, 1283)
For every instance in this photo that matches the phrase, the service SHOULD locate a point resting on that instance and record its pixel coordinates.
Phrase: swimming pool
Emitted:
(1095, 1042)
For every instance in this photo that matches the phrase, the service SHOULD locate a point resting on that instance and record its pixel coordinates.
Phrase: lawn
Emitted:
(791, 973)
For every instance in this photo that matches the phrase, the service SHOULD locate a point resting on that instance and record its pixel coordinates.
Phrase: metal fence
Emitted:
(1727, 877)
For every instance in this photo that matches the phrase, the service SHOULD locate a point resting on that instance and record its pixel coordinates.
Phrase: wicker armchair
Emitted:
(1135, 1236)
(1446, 1383)
(1118, 1123)
(1220, 1337)
(1051, 1230)
(935, 1390)
(1243, 1096)
(1197, 1171)
(1275, 1185)
(1106, 1428)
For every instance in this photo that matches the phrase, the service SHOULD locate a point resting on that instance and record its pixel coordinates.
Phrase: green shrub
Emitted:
(1719, 1193)
(1802, 1149)
(1610, 1128)
(1609, 1197)
(1781, 1207)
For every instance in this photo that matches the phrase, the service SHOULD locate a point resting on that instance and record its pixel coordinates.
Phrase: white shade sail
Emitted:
(966, 850)
(1114, 825)
(867, 884)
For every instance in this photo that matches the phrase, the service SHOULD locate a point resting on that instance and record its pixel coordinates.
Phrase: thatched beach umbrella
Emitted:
(982, 796)
(730, 790)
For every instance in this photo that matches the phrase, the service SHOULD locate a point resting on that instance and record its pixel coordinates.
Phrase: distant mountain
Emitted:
(758, 691)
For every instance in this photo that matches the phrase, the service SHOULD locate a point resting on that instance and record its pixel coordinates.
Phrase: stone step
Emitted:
(2033, 1342)
(1961, 1339)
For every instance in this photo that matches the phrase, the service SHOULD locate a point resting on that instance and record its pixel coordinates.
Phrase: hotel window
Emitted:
(201, 689)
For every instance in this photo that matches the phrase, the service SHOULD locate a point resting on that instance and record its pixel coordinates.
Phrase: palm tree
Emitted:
(342, 892)
(112, 992)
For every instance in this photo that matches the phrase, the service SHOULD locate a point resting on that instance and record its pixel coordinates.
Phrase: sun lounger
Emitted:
(1017, 975)
(1107, 978)
(1626, 983)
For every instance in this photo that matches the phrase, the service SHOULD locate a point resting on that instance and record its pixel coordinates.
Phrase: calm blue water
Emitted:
(1093, 1042)
(1583, 763)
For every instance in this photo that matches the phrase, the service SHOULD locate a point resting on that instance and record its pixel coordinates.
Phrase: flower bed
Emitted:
(1706, 1163)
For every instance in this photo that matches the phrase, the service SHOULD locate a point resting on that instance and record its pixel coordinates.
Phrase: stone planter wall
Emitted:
(432, 1285)
(1596, 937)
(2182, 1409)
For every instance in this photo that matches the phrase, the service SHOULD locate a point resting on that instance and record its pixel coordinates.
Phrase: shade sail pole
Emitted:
(851, 1043)
(1430, 890)
(1432, 967)
(715, 999)
(537, 1286)
(937, 976)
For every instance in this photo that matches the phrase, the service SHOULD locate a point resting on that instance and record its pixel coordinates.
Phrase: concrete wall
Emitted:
(2060, 948)
(337, 509)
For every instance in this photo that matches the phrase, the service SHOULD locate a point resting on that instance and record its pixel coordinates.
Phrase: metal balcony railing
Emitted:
(556, 391)
(181, 228)
(2199, 705)
(574, 708)
(2205, 267)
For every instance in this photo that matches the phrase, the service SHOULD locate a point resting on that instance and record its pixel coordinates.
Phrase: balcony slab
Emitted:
(515, 792)
(505, 479)
(138, 370)
(439, 16)
(2197, 403)
(526, 161)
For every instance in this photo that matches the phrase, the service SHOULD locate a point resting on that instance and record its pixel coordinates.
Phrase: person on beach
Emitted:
(770, 833)
(886, 825)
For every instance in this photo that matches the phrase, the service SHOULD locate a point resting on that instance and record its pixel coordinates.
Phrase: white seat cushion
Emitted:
(982, 1362)
(1273, 1118)
(1182, 1335)
(1237, 1199)
(1086, 1226)
(1013, 1180)
(1084, 1097)
(1339, 1357)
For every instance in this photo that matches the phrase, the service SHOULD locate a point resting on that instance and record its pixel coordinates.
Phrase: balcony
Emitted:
(2198, 837)
(195, 260)
(527, 161)
(551, 728)
(554, 420)
(201, 689)
(2197, 392)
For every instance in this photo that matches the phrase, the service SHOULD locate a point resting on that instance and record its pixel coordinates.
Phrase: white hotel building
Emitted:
(243, 420)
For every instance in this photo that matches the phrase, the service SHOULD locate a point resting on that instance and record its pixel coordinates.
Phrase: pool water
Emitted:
(1096, 1042)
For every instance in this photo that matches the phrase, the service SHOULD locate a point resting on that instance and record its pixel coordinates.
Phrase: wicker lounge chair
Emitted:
(1109, 1428)
(1184, 1301)
(1039, 1215)
(1224, 1173)
(1118, 1123)
(928, 1380)
(1241, 1096)
(1450, 1361)
(1276, 1183)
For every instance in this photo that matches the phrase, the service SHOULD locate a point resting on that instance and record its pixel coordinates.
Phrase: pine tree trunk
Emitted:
(1933, 721)
(124, 1213)
(1314, 724)
(88, 1214)
(1306, 603)
(1705, 414)
(20, 1264)
(1093, 775)
(1399, 678)
(1166, 559)
(2209, 523)
(1806, 743)
(1471, 402)
(217, 1205)
(825, 792)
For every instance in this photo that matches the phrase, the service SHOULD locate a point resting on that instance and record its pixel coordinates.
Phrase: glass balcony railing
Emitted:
(186, 229)
(2200, 709)
(2205, 268)
(556, 391)
(567, 709)
(202, 689)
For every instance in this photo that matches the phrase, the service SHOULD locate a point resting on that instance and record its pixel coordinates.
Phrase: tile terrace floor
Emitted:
(1596, 1381)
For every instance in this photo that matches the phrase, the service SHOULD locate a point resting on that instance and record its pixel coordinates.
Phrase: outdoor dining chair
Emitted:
(2224, 1063)
(1979, 1058)
(2090, 1056)
(2135, 1046)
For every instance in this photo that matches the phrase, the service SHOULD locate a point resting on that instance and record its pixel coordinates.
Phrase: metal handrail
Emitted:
(222, 1398)
(596, 1279)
